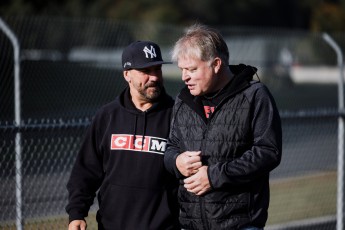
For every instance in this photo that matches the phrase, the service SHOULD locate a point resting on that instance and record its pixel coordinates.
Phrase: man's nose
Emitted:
(155, 77)
(185, 75)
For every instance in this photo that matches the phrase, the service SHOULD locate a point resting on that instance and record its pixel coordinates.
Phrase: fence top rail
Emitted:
(84, 122)
(322, 113)
(45, 124)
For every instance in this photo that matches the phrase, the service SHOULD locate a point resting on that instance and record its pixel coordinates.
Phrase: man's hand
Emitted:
(198, 183)
(188, 162)
(77, 225)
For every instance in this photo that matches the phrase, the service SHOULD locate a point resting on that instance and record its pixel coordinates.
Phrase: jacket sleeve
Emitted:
(265, 153)
(86, 176)
(173, 145)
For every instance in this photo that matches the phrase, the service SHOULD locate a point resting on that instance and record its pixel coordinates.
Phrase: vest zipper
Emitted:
(203, 216)
(201, 199)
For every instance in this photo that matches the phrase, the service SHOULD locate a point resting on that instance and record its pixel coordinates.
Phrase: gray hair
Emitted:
(201, 42)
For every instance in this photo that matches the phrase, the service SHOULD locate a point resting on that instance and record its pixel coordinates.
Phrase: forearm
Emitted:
(262, 156)
(244, 170)
(84, 181)
(170, 161)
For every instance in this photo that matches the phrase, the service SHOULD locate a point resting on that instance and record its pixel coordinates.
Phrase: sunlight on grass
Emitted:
(303, 197)
(291, 199)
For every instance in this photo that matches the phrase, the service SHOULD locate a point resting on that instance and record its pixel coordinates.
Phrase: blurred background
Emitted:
(311, 15)
(68, 65)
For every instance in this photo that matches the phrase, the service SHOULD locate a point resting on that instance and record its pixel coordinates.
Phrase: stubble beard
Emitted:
(151, 91)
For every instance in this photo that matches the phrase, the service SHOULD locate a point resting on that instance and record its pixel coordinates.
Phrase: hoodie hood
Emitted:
(163, 102)
(243, 76)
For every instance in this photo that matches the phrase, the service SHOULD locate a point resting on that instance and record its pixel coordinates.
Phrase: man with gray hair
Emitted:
(225, 137)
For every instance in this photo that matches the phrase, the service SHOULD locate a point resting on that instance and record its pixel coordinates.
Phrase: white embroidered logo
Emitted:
(138, 143)
(127, 64)
(151, 51)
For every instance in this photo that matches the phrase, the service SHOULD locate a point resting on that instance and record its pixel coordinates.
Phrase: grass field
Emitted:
(291, 199)
(303, 198)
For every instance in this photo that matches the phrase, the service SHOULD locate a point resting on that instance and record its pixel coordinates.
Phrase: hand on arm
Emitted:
(199, 183)
(188, 162)
(77, 225)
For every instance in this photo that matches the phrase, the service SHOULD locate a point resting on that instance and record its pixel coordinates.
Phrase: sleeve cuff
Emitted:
(76, 215)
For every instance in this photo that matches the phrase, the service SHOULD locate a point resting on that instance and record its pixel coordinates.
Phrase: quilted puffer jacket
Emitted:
(241, 143)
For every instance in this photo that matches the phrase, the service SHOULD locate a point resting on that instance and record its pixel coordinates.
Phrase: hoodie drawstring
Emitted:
(135, 129)
(144, 132)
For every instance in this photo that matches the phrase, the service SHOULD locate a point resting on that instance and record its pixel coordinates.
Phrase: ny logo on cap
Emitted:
(151, 51)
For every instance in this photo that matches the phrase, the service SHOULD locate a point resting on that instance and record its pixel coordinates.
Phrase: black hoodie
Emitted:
(135, 191)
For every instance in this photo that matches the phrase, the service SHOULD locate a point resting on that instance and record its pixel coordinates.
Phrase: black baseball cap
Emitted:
(141, 54)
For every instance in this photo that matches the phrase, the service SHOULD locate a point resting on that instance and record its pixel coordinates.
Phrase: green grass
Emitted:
(50, 223)
(303, 197)
(291, 199)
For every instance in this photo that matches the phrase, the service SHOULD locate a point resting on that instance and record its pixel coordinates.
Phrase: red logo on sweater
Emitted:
(138, 143)
(208, 110)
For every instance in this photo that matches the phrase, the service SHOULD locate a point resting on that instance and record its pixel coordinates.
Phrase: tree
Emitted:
(303, 14)
(328, 17)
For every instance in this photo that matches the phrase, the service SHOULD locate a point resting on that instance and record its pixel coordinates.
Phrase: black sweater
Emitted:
(135, 191)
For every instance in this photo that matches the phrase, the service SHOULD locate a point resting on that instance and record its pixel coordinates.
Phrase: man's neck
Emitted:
(142, 105)
(224, 78)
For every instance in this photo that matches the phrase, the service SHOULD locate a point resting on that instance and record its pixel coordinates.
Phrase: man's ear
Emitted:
(126, 75)
(216, 64)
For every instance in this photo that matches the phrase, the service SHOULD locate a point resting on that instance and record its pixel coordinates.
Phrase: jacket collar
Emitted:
(243, 75)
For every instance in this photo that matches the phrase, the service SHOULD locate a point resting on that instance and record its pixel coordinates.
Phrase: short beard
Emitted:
(154, 95)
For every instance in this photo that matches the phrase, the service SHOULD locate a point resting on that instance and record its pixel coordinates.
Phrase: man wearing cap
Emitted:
(122, 153)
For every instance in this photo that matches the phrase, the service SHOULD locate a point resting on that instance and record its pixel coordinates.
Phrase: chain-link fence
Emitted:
(70, 67)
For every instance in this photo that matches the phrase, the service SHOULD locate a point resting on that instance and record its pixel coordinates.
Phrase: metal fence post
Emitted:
(340, 182)
(17, 114)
